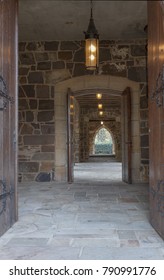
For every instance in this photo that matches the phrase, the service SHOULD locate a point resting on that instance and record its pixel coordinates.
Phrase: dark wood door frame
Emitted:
(126, 137)
(70, 149)
(156, 113)
(8, 113)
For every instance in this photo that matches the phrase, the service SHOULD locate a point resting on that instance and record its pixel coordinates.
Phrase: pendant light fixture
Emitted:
(100, 106)
(99, 95)
(91, 44)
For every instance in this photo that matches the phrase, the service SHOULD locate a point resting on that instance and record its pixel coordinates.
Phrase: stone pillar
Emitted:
(60, 136)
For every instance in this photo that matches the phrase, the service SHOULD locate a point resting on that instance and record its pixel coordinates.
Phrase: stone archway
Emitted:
(102, 82)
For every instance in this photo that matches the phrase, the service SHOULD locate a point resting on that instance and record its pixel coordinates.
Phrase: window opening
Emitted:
(103, 144)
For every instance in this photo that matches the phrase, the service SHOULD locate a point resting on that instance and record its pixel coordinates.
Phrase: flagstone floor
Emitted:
(97, 217)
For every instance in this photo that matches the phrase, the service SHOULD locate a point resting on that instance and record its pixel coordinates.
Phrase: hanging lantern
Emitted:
(91, 45)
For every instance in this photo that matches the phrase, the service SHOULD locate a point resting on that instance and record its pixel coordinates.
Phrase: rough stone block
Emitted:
(104, 43)
(31, 46)
(33, 104)
(120, 52)
(35, 125)
(23, 71)
(43, 156)
(21, 92)
(47, 148)
(52, 56)
(79, 56)
(23, 104)
(22, 46)
(144, 141)
(22, 80)
(58, 65)
(35, 78)
(55, 76)
(42, 91)
(140, 61)
(52, 92)
(29, 90)
(46, 104)
(30, 177)
(26, 129)
(45, 116)
(137, 74)
(138, 50)
(116, 69)
(28, 167)
(104, 54)
(51, 46)
(46, 65)
(65, 55)
(130, 63)
(144, 114)
(143, 102)
(46, 166)
(69, 65)
(48, 129)
(26, 58)
(38, 140)
(68, 45)
(79, 69)
(33, 67)
(41, 56)
(145, 153)
(29, 116)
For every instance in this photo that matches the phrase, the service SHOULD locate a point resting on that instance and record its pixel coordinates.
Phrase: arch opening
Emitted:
(103, 143)
(89, 84)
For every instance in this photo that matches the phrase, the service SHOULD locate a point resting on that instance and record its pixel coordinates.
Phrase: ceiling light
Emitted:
(102, 123)
(91, 45)
(98, 95)
(101, 113)
(100, 106)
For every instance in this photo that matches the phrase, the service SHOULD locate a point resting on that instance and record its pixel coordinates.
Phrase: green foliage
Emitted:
(103, 149)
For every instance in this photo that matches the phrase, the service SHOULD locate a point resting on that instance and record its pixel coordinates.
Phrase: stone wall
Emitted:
(44, 64)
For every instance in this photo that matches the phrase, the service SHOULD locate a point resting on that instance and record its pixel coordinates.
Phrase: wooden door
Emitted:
(8, 113)
(156, 112)
(126, 136)
(70, 123)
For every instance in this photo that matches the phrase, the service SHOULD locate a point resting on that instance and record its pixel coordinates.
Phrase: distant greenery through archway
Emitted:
(103, 144)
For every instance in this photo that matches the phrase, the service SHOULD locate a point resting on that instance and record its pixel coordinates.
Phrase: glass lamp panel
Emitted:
(91, 53)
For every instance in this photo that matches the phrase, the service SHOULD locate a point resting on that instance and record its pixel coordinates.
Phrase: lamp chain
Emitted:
(91, 8)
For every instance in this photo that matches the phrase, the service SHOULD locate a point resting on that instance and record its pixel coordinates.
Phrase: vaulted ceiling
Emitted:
(66, 20)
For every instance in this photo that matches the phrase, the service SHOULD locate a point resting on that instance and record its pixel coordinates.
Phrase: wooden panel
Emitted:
(8, 116)
(70, 146)
(156, 113)
(126, 136)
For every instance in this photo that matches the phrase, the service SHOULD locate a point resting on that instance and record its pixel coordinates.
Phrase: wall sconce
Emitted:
(91, 45)
(99, 95)
(102, 123)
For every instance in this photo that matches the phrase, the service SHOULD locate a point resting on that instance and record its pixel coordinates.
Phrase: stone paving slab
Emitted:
(90, 219)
